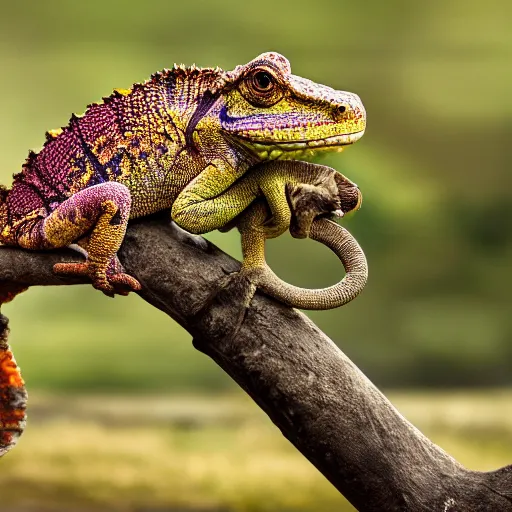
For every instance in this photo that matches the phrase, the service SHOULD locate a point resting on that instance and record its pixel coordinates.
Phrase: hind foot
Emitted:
(110, 279)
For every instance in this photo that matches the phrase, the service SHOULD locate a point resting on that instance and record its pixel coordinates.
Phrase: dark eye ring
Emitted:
(263, 81)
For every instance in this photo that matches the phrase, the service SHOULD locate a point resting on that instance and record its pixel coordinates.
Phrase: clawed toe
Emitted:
(71, 269)
(124, 283)
(110, 283)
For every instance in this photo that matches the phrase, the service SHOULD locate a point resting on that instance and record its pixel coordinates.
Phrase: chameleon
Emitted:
(202, 143)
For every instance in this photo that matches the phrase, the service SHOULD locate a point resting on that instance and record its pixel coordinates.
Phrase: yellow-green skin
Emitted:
(185, 140)
(178, 141)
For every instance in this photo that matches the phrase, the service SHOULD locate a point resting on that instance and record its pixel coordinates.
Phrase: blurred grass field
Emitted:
(196, 454)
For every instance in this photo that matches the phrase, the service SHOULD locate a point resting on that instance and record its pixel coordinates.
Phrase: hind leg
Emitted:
(98, 214)
(123, 283)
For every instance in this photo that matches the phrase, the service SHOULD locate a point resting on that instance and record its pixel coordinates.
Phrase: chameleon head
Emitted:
(282, 116)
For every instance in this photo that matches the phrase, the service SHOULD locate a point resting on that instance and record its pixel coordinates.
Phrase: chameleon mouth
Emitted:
(272, 150)
(335, 140)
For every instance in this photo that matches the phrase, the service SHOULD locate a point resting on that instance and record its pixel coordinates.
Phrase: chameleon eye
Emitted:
(263, 81)
(261, 88)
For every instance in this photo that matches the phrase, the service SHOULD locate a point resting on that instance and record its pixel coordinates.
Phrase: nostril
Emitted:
(339, 113)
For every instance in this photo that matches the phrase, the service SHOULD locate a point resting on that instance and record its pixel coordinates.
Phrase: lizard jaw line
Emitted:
(274, 150)
(335, 140)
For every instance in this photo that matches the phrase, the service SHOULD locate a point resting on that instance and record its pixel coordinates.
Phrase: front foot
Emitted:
(110, 278)
(333, 195)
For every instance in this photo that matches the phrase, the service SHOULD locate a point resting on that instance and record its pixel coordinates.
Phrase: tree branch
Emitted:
(318, 398)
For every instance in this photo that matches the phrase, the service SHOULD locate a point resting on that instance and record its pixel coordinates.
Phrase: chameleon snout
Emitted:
(350, 112)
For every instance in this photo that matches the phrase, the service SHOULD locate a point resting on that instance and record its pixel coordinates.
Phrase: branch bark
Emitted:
(317, 397)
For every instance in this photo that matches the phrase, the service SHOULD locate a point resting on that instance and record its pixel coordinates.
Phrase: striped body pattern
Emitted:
(134, 137)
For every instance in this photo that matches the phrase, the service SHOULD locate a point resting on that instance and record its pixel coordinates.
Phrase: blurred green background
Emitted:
(434, 168)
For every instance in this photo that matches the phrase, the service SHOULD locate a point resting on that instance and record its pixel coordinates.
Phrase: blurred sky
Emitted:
(434, 168)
